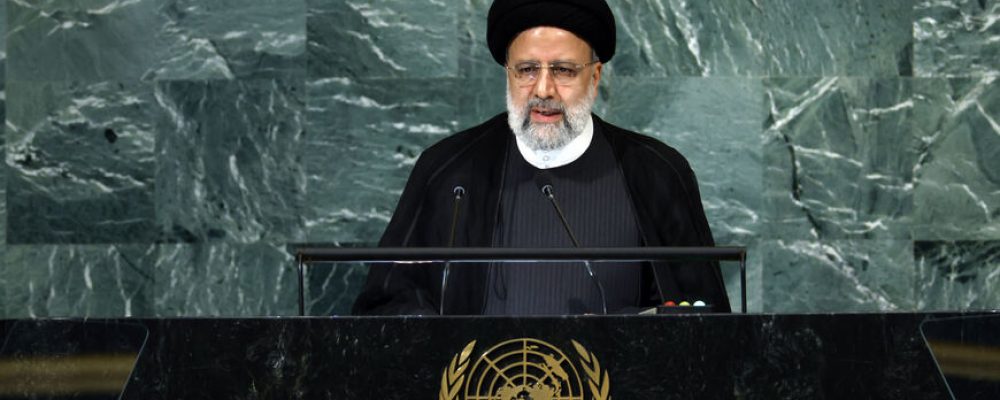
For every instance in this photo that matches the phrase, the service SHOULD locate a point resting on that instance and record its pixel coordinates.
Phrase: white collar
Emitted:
(545, 159)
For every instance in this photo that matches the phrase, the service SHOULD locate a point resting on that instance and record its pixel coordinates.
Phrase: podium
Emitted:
(665, 356)
(623, 357)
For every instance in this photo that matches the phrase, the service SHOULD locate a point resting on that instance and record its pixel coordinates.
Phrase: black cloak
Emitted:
(661, 185)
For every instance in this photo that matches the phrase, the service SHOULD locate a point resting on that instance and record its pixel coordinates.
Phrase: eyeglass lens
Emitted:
(562, 72)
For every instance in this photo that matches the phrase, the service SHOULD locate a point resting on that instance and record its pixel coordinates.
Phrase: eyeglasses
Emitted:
(563, 72)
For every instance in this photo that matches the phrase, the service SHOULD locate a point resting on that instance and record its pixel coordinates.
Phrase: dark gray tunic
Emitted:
(594, 198)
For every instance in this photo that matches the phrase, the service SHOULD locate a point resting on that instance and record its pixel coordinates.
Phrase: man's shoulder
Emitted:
(459, 152)
(458, 143)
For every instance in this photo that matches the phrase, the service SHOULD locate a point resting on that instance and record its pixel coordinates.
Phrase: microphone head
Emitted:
(459, 191)
(543, 180)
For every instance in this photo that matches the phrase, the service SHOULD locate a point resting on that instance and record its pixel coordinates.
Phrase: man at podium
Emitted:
(547, 173)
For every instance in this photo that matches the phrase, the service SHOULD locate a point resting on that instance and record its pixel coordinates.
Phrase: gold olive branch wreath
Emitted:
(454, 374)
(600, 385)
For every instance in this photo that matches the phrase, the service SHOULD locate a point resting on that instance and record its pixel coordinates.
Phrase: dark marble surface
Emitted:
(3, 130)
(175, 39)
(663, 357)
(660, 38)
(842, 275)
(382, 38)
(850, 145)
(96, 280)
(956, 37)
(224, 279)
(80, 161)
(951, 275)
(840, 158)
(112, 163)
(105, 281)
(5, 281)
(230, 39)
(228, 166)
(364, 137)
(721, 141)
(957, 193)
(330, 289)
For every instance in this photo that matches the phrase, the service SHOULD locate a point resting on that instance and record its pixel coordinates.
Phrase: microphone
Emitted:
(459, 192)
(543, 180)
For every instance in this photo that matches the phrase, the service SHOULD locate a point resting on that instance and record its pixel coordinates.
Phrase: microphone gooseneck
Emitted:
(562, 217)
(544, 183)
(459, 192)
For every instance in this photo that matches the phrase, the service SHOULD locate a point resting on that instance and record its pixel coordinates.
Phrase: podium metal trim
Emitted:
(311, 254)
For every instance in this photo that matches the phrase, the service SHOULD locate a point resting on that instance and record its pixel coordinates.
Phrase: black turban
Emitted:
(591, 20)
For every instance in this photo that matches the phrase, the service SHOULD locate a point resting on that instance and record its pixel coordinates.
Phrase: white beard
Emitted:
(549, 136)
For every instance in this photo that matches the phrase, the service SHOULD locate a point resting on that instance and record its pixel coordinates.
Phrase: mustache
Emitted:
(548, 104)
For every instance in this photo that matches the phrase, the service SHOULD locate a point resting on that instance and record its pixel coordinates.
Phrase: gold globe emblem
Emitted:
(524, 369)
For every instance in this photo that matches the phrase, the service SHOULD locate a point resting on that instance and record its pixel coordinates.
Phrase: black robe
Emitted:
(662, 188)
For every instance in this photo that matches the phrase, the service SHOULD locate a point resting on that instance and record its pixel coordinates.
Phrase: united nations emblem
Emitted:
(524, 369)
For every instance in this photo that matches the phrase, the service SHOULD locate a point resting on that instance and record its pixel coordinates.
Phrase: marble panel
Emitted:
(716, 124)
(228, 165)
(3, 117)
(957, 193)
(838, 276)
(364, 137)
(224, 280)
(98, 40)
(226, 39)
(332, 287)
(92, 281)
(474, 59)
(827, 186)
(481, 98)
(839, 156)
(658, 38)
(835, 38)
(63, 40)
(3, 195)
(3, 182)
(956, 38)
(958, 275)
(3, 170)
(381, 38)
(80, 161)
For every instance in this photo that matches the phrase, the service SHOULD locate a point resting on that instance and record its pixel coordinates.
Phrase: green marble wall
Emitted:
(161, 155)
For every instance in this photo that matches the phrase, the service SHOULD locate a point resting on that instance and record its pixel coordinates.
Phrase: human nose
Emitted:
(545, 85)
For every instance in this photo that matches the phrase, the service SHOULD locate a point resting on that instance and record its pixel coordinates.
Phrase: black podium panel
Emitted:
(634, 357)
